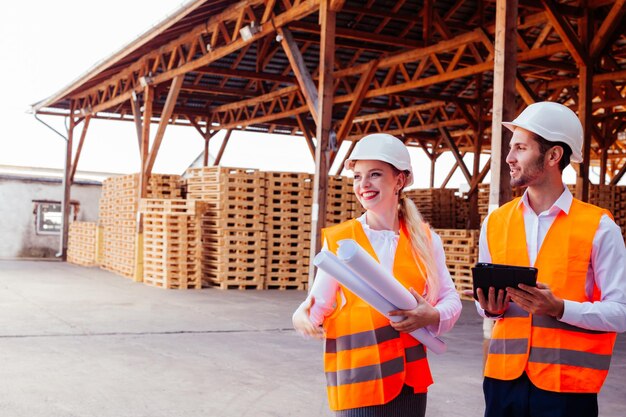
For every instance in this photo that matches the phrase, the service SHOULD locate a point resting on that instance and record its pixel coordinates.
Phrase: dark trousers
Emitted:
(520, 398)
(406, 404)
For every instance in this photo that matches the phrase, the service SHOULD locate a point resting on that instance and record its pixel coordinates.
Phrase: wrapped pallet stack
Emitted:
(287, 220)
(171, 243)
(233, 239)
(82, 243)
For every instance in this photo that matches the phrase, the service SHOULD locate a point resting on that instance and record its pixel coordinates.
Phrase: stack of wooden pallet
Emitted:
(424, 199)
(118, 216)
(483, 201)
(341, 203)
(171, 243)
(119, 203)
(82, 243)
(462, 212)
(437, 205)
(444, 214)
(287, 223)
(461, 249)
(165, 186)
(233, 238)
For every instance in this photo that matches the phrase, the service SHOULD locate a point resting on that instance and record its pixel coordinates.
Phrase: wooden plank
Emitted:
(170, 103)
(359, 91)
(455, 152)
(305, 81)
(80, 148)
(307, 135)
(565, 31)
(607, 29)
(218, 158)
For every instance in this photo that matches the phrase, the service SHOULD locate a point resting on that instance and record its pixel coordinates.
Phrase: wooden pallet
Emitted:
(237, 280)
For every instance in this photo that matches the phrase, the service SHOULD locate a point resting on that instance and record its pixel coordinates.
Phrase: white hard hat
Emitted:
(382, 147)
(553, 122)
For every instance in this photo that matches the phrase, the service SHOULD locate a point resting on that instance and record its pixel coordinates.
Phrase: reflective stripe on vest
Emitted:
(366, 361)
(556, 356)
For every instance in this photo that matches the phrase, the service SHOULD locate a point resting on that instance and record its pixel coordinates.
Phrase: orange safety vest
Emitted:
(556, 356)
(367, 361)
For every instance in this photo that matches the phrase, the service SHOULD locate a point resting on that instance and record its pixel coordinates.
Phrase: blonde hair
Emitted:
(421, 246)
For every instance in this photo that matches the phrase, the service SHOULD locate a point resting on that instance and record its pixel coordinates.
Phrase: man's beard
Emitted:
(530, 174)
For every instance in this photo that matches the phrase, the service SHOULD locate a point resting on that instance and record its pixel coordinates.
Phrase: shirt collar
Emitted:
(563, 203)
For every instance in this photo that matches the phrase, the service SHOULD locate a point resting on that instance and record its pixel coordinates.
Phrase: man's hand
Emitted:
(422, 315)
(537, 300)
(493, 304)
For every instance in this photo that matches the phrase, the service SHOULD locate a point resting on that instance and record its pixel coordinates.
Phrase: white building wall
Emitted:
(18, 236)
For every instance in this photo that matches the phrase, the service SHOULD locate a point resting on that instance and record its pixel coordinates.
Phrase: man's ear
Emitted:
(555, 154)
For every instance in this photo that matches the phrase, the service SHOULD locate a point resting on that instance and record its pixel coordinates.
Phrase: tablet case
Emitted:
(499, 276)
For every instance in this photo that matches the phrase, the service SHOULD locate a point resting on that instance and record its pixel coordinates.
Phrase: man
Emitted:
(551, 345)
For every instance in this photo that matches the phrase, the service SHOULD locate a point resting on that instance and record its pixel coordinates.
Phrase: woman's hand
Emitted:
(302, 323)
(421, 316)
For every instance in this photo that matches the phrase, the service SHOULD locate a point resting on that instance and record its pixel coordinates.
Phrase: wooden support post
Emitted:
(220, 153)
(67, 186)
(324, 145)
(504, 78)
(433, 163)
(148, 98)
(80, 148)
(134, 104)
(427, 21)
(205, 156)
(585, 109)
(474, 216)
(603, 164)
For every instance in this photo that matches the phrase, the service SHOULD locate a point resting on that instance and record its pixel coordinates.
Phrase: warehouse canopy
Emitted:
(417, 69)
(331, 71)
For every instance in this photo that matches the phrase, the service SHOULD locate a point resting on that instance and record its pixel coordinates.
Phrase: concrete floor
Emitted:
(80, 341)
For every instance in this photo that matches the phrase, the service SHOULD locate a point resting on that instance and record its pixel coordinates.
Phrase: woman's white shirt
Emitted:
(385, 243)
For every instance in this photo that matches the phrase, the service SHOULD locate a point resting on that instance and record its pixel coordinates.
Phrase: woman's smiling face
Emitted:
(376, 184)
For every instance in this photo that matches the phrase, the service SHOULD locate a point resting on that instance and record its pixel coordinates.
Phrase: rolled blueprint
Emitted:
(363, 265)
(328, 262)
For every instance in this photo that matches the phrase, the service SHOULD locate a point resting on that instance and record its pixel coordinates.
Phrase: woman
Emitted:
(373, 367)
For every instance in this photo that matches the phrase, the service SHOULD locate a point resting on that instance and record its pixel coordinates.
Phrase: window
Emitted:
(49, 217)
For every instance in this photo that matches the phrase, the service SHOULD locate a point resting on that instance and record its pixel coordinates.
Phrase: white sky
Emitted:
(47, 44)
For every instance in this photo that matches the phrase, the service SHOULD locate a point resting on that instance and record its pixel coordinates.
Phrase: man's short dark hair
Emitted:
(545, 145)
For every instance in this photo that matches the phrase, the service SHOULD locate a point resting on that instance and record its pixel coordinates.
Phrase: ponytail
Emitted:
(421, 246)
